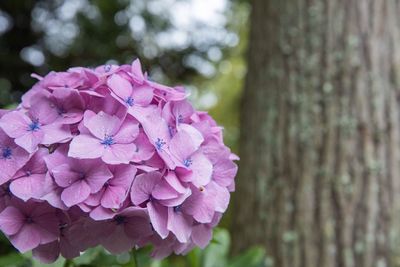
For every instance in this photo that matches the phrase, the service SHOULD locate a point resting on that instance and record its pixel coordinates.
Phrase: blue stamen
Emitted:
(108, 141)
(107, 68)
(6, 153)
(34, 126)
(171, 131)
(159, 144)
(178, 208)
(187, 162)
(130, 101)
(180, 118)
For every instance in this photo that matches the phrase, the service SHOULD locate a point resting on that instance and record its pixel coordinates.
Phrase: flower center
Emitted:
(178, 208)
(119, 219)
(108, 141)
(180, 118)
(34, 126)
(107, 68)
(6, 153)
(130, 101)
(187, 162)
(29, 220)
(159, 144)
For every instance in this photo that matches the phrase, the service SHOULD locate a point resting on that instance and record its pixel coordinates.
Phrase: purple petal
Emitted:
(143, 186)
(113, 197)
(28, 187)
(30, 140)
(118, 242)
(179, 224)
(97, 177)
(120, 86)
(102, 124)
(159, 218)
(85, 147)
(26, 239)
(76, 193)
(201, 235)
(11, 220)
(15, 124)
(119, 153)
(47, 253)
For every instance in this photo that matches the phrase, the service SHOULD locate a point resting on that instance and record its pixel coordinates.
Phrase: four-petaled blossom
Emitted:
(80, 178)
(34, 127)
(29, 224)
(106, 137)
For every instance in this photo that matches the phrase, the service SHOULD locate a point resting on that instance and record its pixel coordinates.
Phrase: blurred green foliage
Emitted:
(215, 255)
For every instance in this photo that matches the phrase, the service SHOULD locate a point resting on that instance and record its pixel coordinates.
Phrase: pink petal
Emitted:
(102, 124)
(120, 86)
(224, 172)
(113, 197)
(15, 124)
(142, 95)
(85, 147)
(28, 187)
(11, 220)
(143, 186)
(97, 177)
(64, 176)
(201, 169)
(119, 153)
(76, 193)
(118, 242)
(47, 253)
(201, 235)
(182, 146)
(127, 133)
(56, 133)
(137, 73)
(30, 141)
(158, 217)
(180, 225)
(26, 239)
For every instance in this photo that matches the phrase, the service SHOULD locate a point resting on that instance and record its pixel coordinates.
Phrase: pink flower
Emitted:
(151, 190)
(121, 233)
(107, 157)
(29, 181)
(135, 98)
(12, 157)
(33, 128)
(29, 224)
(106, 137)
(80, 178)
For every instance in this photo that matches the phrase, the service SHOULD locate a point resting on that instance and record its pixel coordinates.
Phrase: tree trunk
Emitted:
(319, 177)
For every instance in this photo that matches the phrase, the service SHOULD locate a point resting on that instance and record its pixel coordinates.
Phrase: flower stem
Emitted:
(135, 260)
(69, 263)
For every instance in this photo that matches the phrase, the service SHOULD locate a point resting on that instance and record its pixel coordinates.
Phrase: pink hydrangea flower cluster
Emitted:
(108, 157)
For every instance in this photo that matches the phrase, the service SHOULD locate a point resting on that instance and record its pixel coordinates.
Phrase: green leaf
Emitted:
(215, 255)
(253, 257)
(88, 256)
(12, 259)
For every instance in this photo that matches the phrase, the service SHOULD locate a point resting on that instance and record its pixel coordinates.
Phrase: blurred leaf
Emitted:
(88, 256)
(253, 257)
(215, 255)
(194, 257)
(12, 259)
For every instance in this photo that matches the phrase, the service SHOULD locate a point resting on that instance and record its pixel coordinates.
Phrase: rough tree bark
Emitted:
(319, 177)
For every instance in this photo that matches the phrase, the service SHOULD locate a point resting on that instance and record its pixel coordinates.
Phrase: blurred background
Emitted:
(308, 92)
